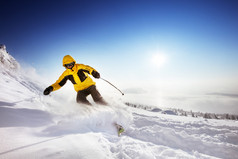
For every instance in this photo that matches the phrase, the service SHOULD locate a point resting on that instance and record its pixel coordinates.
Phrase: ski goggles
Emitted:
(69, 64)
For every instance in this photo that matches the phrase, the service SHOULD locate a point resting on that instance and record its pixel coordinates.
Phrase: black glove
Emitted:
(48, 90)
(95, 74)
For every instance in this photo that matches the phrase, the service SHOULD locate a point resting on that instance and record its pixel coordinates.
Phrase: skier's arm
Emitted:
(90, 70)
(60, 82)
(57, 85)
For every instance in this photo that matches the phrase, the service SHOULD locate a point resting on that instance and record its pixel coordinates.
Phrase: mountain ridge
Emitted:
(7, 61)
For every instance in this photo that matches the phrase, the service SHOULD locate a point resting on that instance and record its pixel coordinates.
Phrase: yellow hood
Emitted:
(68, 59)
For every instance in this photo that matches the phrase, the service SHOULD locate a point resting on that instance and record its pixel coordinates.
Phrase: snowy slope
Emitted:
(36, 126)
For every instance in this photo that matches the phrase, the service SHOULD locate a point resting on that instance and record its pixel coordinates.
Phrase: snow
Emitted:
(7, 60)
(36, 126)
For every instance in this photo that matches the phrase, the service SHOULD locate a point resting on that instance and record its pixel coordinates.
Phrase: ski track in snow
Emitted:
(190, 136)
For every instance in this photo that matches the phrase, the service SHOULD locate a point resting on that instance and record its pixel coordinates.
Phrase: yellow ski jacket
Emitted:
(78, 75)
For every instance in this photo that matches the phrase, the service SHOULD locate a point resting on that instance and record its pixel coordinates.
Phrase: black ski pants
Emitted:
(82, 96)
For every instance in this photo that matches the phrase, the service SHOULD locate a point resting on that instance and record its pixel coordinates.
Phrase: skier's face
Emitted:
(70, 65)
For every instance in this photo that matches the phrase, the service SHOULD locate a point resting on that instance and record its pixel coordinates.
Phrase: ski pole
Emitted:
(112, 85)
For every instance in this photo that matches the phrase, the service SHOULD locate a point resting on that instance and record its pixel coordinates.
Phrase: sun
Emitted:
(158, 60)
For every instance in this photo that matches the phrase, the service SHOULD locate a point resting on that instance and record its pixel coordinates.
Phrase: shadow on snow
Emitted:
(23, 117)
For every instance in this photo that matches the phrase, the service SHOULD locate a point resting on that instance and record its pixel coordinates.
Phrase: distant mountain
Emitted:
(13, 78)
(6, 60)
(181, 112)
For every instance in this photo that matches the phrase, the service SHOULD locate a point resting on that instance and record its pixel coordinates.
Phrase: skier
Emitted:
(83, 84)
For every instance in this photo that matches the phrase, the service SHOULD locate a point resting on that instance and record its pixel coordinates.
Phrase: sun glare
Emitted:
(158, 60)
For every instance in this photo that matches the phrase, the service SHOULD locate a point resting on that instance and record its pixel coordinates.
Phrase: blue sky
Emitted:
(194, 42)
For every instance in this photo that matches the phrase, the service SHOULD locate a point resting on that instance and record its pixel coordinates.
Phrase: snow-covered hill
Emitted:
(16, 83)
(36, 126)
(7, 61)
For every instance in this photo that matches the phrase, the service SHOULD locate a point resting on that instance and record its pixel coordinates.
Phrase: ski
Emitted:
(120, 129)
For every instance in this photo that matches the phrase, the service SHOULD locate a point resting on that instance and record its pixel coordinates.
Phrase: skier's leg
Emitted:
(81, 97)
(96, 95)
